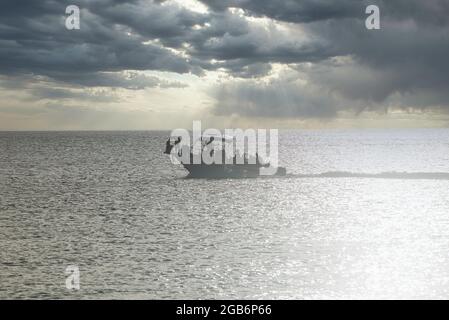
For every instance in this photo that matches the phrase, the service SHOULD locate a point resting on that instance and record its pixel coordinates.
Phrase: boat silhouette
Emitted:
(237, 165)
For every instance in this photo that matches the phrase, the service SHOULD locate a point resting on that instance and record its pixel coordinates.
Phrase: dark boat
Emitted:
(242, 169)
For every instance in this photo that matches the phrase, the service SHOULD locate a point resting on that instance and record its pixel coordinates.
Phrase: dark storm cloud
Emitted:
(34, 40)
(112, 37)
(305, 11)
(403, 64)
(152, 20)
(407, 56)
(293, 10)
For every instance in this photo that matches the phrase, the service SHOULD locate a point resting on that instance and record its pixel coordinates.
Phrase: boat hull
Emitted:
(226, 171)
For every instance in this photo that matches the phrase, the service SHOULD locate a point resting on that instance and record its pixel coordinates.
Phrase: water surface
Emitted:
(361, 214)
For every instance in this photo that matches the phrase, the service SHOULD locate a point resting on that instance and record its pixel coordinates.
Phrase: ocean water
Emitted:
(361, 214)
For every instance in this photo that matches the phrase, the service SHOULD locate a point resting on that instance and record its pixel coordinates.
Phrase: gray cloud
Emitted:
(129, 80)
(35, 40)
(113, 34)
(402, 65)
(292, 10)
(281, 98)
(152, 20)
(88, 87)
(43, 93)
(306, 11)
(339, 63)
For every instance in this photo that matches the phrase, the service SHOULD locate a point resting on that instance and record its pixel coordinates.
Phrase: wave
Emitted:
(382, 175)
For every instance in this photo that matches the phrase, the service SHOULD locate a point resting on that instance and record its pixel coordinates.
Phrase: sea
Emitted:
(361, 214)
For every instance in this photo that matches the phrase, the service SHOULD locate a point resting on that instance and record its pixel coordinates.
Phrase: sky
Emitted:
(143, 65)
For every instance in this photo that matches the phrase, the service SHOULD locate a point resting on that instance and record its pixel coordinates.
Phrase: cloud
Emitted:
(92, 87)
(291, 10)
(403, 65)
(141, 35)
(153, 20)
(278, 98)
(35, 40)
(127, 80)
(338, 64)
